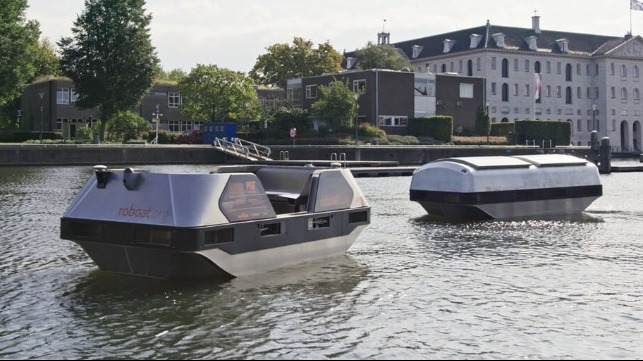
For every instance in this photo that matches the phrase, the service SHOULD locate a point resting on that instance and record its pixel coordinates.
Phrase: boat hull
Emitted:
(212, 263)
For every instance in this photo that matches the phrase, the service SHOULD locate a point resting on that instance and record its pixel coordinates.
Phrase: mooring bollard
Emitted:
(605, 156)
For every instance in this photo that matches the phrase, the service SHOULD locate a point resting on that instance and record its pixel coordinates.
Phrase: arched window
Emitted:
(505, 92)
(568, 95)
(444, 68)
(470, 67)
(505, 68)
(636, 95)
(537, 67)
(636, 71)
(623, 71)
(623, 94)
(568, 72)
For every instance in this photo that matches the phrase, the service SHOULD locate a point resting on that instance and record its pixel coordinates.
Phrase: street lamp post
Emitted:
(356, 116)
(156, 117)
(488, 120)
(42, 95)
(594, 116)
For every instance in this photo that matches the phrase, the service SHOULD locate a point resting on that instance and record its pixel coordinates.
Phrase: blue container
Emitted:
(223, 130)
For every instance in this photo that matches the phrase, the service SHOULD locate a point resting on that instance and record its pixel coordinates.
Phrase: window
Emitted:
(568, 95)
(548, 91)
(466, 90)
(173, 100)
(596, 93)
(311, 91)
(537, 67)
(505, 92)
(493, 88)
(493, 63)
(579, 92)
(505, 68)
(636, 95)
(515, 64)
(589, 93)
(612, 69)
(393, 121)
(62, 96)
(515, 89)
(579, 125)
(613, 92)
(559, 68)
(173, 125)
(359, 86)
(623, 71)
(636, 72)
(548, 67)
(559, 92)
(526, 65)
(74, 96)
(578, 69)
(470, 68)
(568, 72)
(526, 89)
(623, 94)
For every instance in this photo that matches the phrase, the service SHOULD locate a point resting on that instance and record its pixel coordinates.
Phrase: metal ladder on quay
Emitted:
(242, 149)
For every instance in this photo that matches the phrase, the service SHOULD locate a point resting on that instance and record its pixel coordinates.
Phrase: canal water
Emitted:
(410, 287)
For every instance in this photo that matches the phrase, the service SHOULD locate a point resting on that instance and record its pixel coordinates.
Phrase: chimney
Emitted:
(535, 24)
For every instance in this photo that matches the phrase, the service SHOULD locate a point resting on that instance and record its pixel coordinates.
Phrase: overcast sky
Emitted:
(233, 33)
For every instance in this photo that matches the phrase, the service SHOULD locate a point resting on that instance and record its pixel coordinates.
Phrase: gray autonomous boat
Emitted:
(234, 221)
(506, 187)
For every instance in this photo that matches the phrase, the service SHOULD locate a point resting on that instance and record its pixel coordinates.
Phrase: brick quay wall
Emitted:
(136, 154)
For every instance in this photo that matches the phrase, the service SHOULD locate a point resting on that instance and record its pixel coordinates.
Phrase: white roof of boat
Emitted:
(522, 161)
(552, 160)
(491, 162)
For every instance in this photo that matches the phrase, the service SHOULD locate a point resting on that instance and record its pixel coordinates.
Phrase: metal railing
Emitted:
(243, 148)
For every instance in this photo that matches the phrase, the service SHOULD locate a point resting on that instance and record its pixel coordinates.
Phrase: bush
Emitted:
(84, 135)
(367, 130)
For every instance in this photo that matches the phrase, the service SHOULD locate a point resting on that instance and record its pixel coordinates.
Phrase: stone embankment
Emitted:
(369, 155)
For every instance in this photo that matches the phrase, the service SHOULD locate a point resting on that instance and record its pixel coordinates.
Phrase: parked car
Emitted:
(190, 137)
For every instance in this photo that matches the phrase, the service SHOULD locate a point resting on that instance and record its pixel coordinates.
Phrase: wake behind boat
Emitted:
(234, 221)
(506, 187)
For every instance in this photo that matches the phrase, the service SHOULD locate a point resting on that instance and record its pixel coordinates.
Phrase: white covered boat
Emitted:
(234, 221)
(505, 187)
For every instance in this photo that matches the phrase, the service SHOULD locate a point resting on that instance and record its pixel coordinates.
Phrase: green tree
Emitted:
(18, 40)
(483, 123)
(218, 94)
(110, 58)
(336, 105)
(126, 125)
(46, 61)
(175, 75)
(301, 59)
(285, 119)
(381, 57)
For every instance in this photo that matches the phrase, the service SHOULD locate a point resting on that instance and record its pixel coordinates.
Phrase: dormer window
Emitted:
(475, 40)
(563, 45)
(448, 44)
(499, 38)
(531, 42)
(417, 49)
(350, 61)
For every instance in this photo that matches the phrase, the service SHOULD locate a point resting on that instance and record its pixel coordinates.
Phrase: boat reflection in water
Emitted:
(234, 221)
(506, 187)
